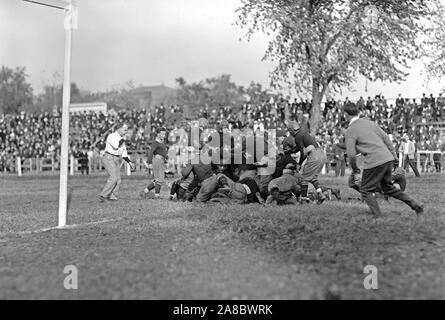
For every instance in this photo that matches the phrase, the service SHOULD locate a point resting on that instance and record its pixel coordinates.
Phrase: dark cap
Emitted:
(351, 109)
(160, 129)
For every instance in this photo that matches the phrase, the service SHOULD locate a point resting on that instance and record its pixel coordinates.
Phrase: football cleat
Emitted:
(336, 193)
(146, 195)
(419, 210)
(260, 198)
(320, 198)
(305, 200)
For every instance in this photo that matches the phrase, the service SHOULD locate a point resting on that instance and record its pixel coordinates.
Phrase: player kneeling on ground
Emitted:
(328, 192)
(180, 188)
(285, 189)
(244, 191)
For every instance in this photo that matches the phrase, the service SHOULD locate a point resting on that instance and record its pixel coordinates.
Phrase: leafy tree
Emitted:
(75, 92)
(219, 91)
(224, 92)
(435, 44)
(256, 93)
(213, 92)
(194, 95)
(52, 96)
(15, 91)
(327, 44)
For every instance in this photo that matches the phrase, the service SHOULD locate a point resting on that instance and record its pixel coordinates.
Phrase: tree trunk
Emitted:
(316, 103)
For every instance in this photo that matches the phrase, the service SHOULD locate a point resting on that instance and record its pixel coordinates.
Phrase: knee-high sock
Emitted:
(304, 187)
(150, 186)
(174, 188)
(316, 184)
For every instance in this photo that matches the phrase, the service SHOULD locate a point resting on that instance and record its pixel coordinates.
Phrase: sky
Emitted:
(150, 43)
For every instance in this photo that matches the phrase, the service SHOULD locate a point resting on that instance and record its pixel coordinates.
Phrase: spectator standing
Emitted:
(340, 161)
(437, 158)
(409, 150)
(441, 106)
(361, 103)
(82, 158)
(369, 104)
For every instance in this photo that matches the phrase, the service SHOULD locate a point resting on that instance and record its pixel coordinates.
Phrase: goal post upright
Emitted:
(70, 23)
(63, 188)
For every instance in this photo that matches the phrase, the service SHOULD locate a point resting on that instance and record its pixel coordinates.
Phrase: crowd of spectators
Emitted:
(38, 135)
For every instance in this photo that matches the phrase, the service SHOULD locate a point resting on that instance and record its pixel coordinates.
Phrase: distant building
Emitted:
(89, 106)
(150, 96)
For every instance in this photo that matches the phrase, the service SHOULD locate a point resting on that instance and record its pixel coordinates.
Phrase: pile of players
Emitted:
(253, 180)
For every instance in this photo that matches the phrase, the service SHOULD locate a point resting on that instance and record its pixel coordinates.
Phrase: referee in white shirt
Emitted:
(114, 149)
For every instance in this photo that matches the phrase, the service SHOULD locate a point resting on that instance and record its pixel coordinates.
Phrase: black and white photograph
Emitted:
(240, 151)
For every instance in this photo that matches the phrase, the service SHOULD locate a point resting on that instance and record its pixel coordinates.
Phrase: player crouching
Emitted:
(244, 191)
(285, 189)
(328, 192)
(180, 188)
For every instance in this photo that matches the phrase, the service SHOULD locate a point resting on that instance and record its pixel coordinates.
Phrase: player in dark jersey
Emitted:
(243, 191)
(314, 156)
(158, 155)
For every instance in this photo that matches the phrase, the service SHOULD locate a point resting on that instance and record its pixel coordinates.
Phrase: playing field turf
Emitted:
(156, 249)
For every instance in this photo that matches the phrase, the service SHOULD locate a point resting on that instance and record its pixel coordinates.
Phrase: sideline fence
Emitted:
(424, 159)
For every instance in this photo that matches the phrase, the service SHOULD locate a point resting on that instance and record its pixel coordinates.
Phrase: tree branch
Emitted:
(339, 32)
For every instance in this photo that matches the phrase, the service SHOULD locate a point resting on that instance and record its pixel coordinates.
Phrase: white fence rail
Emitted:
(424, 160)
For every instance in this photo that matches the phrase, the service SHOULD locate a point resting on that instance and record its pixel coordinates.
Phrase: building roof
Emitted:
(156, 91)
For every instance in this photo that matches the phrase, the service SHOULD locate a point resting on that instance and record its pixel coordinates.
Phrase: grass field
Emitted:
(156, 249)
